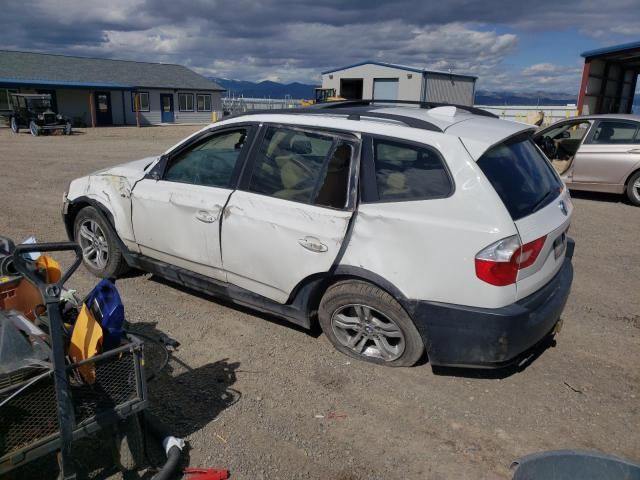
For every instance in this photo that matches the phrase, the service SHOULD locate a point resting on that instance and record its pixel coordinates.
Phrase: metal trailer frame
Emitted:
(68, 429)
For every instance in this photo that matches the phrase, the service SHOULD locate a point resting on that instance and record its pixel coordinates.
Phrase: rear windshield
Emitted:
(521, 175)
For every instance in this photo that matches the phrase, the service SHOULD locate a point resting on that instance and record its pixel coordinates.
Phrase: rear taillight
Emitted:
(498, 264)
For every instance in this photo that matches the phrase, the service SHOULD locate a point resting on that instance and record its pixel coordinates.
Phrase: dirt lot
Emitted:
(247, 391)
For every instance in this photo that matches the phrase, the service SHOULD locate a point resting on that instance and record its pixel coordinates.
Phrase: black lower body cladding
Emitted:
(458, 335)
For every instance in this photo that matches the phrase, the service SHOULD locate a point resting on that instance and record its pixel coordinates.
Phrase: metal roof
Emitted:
(613, 49)
(399, 67)
(31, 68)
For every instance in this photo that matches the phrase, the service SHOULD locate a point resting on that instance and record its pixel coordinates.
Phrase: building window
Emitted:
(143, 101)
(203, 102)
(185, 102)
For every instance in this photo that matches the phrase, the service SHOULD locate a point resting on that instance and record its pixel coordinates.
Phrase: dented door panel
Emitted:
(180, 224)
(269, 245)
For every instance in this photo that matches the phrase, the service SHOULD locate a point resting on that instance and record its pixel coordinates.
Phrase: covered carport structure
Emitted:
(609, 79)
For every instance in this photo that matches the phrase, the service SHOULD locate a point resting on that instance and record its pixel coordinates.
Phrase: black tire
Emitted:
(633, 189)
(354, 294)
(115, 264)
(15, 128)
(34, 129)
(129, 447)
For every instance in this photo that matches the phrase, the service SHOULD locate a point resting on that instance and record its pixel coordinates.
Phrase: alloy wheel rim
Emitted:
(14, 124)
(368, 332)
(636, 188)
(93, 241)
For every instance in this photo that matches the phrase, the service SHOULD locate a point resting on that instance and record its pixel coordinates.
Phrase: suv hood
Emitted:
(131, 171)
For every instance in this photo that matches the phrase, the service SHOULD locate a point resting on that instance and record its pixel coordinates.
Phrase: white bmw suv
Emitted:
(400, 228)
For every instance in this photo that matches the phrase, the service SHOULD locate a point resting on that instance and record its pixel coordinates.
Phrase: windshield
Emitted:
(521, 176)
(39, 104)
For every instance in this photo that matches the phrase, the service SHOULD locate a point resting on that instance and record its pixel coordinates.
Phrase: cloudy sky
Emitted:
(510, 44)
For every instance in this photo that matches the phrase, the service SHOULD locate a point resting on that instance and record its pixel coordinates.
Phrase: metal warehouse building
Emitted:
(609, 79)
(385, 81)
(96, 91)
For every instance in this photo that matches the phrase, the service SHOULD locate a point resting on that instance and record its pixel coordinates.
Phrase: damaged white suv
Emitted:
(399, 228)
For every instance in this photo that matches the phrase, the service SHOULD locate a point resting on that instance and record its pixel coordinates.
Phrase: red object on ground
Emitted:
(206, 474)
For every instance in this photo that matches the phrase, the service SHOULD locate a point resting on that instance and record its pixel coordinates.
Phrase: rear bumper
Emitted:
(458, 335)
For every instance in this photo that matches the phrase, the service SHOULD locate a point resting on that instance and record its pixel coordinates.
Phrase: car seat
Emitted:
(396, 184)
(605, 135)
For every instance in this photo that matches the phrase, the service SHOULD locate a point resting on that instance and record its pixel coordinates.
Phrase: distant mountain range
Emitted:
(269, 89)
(265, 89)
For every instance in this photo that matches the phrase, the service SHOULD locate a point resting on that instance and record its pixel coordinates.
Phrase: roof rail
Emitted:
(350, 113)
(425, 105)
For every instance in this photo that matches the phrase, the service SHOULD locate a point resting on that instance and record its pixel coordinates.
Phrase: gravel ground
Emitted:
(268, 400)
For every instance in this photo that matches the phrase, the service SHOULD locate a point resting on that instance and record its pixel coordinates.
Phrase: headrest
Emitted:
(301, 147)
(396, 181)
(605, 133)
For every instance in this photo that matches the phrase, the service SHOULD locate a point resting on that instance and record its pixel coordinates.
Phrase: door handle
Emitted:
(206, 217)
(313, 244)
(634, 150)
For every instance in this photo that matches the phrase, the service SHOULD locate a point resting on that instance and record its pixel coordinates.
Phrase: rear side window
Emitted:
(521, 176)
(619, 133)
(409, 172)
(302, 166)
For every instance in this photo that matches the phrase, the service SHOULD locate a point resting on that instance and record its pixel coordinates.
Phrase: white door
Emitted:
(385, 88)
(289, 217)
(176, 218)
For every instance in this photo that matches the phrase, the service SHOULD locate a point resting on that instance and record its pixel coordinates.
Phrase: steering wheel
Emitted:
(549, 147)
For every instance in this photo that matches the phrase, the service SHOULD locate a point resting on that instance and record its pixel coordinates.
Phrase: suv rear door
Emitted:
(537, 201)
(290, 214)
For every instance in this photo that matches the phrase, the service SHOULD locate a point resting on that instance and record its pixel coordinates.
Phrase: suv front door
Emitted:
(176, 208)
(290, 214)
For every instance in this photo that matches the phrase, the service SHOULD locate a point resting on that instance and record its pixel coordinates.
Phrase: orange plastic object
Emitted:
(86, 342)
(50, 266)
(16, 293)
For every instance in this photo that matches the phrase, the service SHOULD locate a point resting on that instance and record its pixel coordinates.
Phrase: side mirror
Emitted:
(566, 134)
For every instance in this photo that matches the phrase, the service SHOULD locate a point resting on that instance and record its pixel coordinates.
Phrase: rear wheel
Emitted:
(14, 125)
(33, 127)
(365, 322)
(101, 253)
(633, 189)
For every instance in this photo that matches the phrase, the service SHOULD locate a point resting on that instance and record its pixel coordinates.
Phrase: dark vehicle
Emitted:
(34, 111)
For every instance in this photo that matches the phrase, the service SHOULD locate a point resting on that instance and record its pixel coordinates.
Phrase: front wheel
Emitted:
(33, 127)
(101, 253)
(14, 125)
(633, 189)
(365, 322)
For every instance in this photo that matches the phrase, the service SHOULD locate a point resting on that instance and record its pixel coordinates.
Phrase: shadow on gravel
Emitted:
(520, 365)
(186, 399)
(314, 332)
(600, 197)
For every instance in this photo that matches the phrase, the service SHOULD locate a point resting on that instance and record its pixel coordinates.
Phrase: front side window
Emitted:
(301, 166)
(209, 163)
(185, 102)
(612, 132)
(140, 101)
(521, 176)
(572, 131)
(204, 102)
(409, 172)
